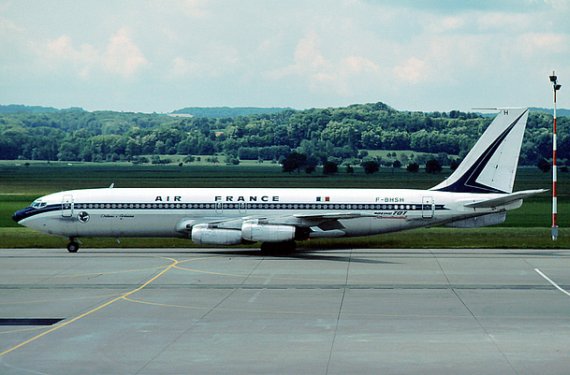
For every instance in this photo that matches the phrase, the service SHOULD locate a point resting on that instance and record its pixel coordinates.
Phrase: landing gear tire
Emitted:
(72, 247)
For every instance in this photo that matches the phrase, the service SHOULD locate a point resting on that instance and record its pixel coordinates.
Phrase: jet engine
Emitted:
(207, 234)
(253, 231)
(204, 234)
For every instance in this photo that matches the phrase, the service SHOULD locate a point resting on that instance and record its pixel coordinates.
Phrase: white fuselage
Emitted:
(172, 212)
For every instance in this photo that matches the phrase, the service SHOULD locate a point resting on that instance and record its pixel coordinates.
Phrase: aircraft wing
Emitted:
(504, 200)
(297, 220)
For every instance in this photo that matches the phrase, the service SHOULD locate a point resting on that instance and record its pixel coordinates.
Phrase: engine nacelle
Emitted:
(252, 231)
(202, 234)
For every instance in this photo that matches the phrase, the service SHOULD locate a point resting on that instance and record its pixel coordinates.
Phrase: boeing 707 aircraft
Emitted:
(478, 193)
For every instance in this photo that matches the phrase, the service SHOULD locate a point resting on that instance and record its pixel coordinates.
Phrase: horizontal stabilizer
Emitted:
(504, 200)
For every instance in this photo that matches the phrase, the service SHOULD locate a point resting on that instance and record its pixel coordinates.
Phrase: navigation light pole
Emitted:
(554, 229)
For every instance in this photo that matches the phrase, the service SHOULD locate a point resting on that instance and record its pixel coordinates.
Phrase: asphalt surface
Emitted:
(160, 311)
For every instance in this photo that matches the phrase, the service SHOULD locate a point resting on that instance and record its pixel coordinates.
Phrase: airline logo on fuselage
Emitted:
(168, 198)
(224, 198)
(246, 198)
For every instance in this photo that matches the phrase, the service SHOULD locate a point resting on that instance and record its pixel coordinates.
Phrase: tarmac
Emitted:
(226, 311)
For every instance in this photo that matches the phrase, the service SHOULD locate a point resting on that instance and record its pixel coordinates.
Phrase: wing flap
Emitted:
(333, 216)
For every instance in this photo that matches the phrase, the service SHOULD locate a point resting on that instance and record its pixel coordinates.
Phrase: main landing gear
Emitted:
(73, 245)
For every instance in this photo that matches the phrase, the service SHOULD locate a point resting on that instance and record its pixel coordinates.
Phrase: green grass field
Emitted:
(527, 227)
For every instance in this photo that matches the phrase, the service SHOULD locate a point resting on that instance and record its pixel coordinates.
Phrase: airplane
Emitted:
(478, 193)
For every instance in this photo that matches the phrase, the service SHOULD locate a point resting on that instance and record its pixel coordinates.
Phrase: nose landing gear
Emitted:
(73, 245)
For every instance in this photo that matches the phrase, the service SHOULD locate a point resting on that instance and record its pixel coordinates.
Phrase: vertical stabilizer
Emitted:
(491, 165)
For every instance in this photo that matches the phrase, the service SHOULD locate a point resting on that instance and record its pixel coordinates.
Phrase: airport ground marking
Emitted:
(32, 302)
(22, 330)
(143, 302)
(196, 270)
(551, 282)
(98, 308)
(108, 273)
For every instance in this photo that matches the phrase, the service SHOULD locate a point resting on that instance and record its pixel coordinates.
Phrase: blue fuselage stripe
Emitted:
(29, 211)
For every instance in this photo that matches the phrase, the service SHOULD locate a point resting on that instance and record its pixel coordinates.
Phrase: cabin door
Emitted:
(67, 206)
(427, 207)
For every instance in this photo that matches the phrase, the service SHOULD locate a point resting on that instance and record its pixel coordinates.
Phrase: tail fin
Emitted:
(491, 165)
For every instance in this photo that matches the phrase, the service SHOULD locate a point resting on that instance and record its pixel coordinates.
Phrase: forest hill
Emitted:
(320, 134)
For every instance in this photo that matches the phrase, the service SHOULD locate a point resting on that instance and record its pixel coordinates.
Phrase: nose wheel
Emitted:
(72, 246)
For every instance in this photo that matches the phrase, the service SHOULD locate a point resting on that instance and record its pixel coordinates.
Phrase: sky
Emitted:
(163, 55)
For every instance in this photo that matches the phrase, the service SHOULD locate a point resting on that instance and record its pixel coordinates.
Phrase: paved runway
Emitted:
(158, 311)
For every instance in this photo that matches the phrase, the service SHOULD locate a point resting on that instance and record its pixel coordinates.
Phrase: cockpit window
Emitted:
(38, 204)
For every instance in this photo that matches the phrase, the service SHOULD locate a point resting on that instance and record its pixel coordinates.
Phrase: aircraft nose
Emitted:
(21, 214)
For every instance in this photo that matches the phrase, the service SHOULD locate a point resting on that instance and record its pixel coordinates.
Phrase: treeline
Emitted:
(321, 134)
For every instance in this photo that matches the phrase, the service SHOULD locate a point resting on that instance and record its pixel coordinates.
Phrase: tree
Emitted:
(248, 153)
(139, 160)
(311, 165)
(543, 165)
(370, 166)
(231, 160)
(413, 167)
(294, 162)
(310, 168)
(330, 167)
(454, 164)
(433, 166)
(397, 164)
(212, 159)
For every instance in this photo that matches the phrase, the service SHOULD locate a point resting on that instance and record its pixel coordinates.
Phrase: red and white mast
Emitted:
(554, 229)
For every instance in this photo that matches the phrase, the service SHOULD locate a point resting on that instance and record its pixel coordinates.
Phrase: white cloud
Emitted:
(359, 64)
(60, 52)
(181, 67)
(122, 56)
(8, 27)
(445, 24)
(413, 70)
(559, 5)
(539, 43)
(194, 8)
(214, 60)
(503, 23)
(321, 73)
(308, 57)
